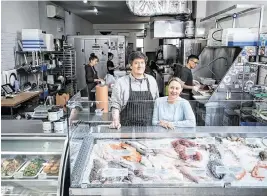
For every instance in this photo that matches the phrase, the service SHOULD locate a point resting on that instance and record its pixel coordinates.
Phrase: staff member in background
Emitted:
(91, 76)
(173, 111)
(186, 76)
(110, 64)
(133, 95)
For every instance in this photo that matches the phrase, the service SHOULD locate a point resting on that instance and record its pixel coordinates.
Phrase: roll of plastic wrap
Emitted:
(262, 76)
(49, 41)
(102, 97)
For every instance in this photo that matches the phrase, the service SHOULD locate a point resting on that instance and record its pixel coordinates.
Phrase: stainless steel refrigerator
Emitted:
(101, 46)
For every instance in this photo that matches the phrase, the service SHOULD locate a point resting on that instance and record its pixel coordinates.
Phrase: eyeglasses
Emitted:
(196, 62)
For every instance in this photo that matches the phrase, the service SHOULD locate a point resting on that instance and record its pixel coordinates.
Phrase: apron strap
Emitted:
(130, 86)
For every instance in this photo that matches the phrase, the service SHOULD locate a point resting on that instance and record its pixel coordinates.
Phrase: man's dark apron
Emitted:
(139, 108)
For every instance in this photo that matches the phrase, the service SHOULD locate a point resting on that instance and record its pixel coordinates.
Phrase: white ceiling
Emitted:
(109, 12)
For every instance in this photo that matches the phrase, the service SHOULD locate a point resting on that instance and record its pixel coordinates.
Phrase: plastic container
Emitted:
(60, 126)
(47, 126)
(53, 114)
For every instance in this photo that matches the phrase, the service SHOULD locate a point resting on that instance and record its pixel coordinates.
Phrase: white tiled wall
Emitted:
(16, 15)
(8, 42)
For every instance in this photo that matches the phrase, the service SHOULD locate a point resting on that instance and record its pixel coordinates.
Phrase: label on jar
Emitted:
(47, 127)
(114, 172)
(59, 127)
(18, 174)
(191, 151)
(221, 170)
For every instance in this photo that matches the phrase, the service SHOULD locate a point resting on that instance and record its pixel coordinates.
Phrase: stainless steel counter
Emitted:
(25, 128)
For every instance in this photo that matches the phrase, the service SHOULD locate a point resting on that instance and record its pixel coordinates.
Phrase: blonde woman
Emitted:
(173, 111)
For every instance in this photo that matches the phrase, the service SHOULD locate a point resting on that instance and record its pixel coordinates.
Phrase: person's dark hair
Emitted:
(93, 57)
(159, 51)
(192, 57)
(136, 55)
(110, 54)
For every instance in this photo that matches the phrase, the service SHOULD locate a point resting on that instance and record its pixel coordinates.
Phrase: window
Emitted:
(140, 44)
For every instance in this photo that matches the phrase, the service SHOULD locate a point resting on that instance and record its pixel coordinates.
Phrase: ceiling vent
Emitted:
(159, 7)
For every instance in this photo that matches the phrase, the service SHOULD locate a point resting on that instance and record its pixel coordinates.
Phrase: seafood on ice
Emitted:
(180, 146)
(180, 160)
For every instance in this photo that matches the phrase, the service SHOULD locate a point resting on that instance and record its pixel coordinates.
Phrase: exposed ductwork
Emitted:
(159, 7)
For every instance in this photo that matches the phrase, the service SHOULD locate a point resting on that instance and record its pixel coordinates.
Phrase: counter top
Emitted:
(93, 118)
(26, 128)
(18, 99)
(198, 129)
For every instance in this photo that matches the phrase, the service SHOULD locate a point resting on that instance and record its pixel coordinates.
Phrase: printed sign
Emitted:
(114, 172)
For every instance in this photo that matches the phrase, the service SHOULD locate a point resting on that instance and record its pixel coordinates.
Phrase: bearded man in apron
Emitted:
(133, 95)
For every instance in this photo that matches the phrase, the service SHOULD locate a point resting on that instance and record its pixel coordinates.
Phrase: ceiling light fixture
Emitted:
(85, 1)
(95, 10)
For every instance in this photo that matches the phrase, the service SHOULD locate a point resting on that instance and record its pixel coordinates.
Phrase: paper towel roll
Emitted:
(102, 97)
(49, 40)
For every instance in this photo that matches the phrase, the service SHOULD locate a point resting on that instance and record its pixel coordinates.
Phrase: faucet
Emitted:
(211, 63)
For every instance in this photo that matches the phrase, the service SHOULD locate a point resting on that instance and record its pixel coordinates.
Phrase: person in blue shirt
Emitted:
(173, 111)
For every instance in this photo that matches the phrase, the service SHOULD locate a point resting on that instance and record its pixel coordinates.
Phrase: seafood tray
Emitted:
(148, 163)
(51, 169)
(31, 169)
(15, 163)
(175, 162)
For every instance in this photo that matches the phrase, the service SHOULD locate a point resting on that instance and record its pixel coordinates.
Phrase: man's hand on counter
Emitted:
(115, 124)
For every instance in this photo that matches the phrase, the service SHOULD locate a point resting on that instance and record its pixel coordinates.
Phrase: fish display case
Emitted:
(151, 160)
(33, 165)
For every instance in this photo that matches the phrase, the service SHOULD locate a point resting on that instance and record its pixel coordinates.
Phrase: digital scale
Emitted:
(41, 111)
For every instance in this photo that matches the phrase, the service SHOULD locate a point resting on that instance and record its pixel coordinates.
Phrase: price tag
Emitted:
(207, 140)
(199, 172)
(158, 145)
(251, 141)
(190, 151)
(210, 140)
(235, 169)
(18, 174)
(42, 176)
(221, 170)
(121, 152)
(84, 185)
(154, 171)
(114, 172)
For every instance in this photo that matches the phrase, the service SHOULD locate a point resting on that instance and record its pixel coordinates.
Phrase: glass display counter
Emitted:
(152, 160)
(32, 165)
